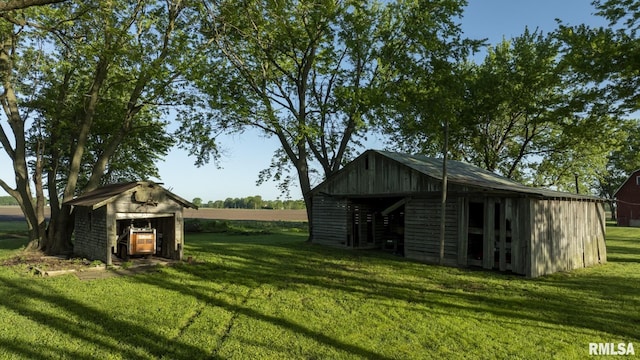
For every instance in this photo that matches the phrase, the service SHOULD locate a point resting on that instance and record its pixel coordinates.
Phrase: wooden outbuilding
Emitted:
(103, 214)
(627, 199)
(392, 201)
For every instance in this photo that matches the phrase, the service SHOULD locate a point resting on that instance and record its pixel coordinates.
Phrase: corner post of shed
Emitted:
(111, 232)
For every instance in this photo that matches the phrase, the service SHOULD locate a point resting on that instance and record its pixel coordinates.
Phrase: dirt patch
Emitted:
(39, 264)
(36, 259)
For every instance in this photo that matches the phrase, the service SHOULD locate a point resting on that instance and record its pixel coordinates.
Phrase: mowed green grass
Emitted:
(275, 296)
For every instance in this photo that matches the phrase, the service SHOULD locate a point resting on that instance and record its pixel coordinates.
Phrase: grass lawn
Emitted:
(272, 295)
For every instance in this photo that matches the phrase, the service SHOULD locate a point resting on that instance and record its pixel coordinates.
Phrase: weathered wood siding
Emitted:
(565, 235)
(132, 201)
(379, 175)
(521, 239)
(90, 240)
(422, 230)
(330, 219)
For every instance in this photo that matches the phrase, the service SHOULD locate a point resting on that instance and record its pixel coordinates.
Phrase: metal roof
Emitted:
(471, 175)
(106, 194)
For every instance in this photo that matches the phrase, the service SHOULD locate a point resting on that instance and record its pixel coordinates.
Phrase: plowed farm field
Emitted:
(14, 213)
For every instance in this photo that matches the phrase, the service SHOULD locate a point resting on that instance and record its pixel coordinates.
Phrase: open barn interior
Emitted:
(163, 224)
(376, 223)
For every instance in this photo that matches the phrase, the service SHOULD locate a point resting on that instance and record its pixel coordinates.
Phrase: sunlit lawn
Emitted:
(276, 296)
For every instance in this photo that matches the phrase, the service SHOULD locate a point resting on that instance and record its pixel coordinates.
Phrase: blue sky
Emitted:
(245, 155)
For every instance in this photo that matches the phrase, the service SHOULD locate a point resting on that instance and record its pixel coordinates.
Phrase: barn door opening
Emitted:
(355, 227)
(502, 234)
(374, 222)
(475, 234)
(158, 231)
(394, 231)
(362, 232)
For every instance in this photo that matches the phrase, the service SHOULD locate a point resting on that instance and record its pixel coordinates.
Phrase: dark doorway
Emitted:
(394, 231)
(475, 234)
(373, 222)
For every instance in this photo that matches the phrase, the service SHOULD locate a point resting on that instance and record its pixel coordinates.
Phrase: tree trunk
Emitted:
(612, 207)
(17, 151)
(60, 230)
(305, 186)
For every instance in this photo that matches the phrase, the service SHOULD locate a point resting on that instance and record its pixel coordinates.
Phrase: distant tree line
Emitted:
(8, 200)
(250, 202)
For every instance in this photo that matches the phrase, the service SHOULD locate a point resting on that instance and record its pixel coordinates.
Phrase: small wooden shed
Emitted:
(102, 214)
(628, 201)
(392, 201)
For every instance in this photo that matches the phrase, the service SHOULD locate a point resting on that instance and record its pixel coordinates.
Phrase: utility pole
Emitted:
(443, 208)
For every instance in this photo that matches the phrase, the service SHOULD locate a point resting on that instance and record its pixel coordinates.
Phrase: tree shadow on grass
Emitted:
(241, 309)
(97, 327)
(580, 300)
(626, 249)
(12, 242)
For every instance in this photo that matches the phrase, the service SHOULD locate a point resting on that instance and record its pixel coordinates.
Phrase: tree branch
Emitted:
(23, 4)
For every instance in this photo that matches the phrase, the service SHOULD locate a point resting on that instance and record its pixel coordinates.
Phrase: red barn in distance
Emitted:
(628, 201)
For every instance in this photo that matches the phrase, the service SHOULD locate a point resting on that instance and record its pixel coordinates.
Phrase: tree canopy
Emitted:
(603, 61)
(310, 73)
(86, 84)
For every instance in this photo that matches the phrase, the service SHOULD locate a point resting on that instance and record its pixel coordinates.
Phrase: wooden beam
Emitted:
(395, 206)
(503, 237)
(463, 230)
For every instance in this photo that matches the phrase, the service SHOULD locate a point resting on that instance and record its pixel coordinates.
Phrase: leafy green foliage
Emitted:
(602, 62)
(8, 200)
(605, 57)
(95, 78)
(310, 73)
(143, 56)
(518, 114)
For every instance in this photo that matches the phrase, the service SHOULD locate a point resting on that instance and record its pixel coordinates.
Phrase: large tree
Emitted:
(606, 58)
(85, 84)
(517, 113)
(605, 61)
(307, 73)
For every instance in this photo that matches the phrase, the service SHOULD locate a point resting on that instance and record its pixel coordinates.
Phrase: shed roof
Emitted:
(108, 193)
(468, 175)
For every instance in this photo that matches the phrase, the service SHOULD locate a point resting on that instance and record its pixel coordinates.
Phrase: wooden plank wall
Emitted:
(463, 229)
(521, 238)
(566, 235)
(513, 211)
(376, 174)
(422, 231)
(329, 221)
(175, 244)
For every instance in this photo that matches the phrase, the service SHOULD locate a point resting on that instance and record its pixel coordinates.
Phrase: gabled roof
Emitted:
(631, 176)
(465, 174)
(108, 193)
